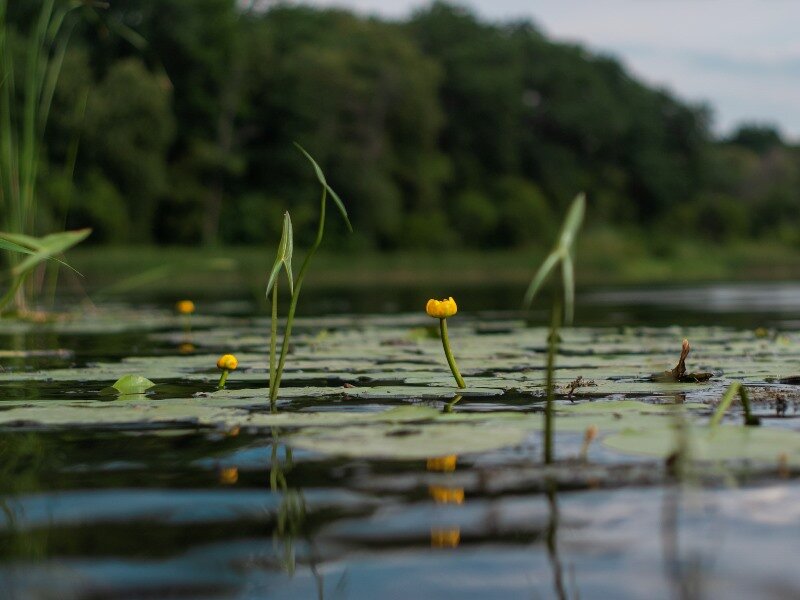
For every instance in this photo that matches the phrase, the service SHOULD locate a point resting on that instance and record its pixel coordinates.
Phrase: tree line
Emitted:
(173, 122)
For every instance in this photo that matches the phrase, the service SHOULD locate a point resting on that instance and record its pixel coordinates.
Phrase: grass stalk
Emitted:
(552, 350)
(273, 342)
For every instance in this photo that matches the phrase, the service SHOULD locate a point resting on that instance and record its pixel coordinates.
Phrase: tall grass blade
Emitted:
(568, 279)
(573, 221)
(541, 275)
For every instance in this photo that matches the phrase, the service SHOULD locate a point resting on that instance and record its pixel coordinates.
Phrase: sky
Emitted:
(741, 57)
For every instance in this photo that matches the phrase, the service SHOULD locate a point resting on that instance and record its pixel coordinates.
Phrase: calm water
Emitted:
(145, 512)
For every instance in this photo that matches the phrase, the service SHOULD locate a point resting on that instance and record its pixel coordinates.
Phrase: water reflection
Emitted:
(442, 493)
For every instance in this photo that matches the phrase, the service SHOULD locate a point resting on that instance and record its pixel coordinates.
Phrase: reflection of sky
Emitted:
(740, 56)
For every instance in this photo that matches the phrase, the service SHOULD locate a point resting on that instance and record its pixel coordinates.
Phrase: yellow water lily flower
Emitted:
(185, 307)
(441, 309)
(227, 362)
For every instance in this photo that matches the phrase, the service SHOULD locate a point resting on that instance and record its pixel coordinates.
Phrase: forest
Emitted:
(173, 122)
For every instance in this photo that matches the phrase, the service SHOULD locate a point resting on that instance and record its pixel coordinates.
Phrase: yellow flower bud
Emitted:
(185, 307)
(441, 309)
(227, 362)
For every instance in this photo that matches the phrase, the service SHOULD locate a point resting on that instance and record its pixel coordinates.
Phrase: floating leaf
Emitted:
(726, 442)
(407, 441)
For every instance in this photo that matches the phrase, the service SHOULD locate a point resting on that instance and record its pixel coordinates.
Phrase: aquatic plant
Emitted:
(441, 309)
(185, 307)
(22, 128)
(563, 253)
(226, 363)
(727, 398)
(552, 350)
(37, 250)
(284, 258)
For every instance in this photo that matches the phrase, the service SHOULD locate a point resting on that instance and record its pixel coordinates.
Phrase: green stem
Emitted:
(273, 392)
(223, 378)
(449, 354)
(448, 408)
(551, 360)
(9, 295)
(273, 341)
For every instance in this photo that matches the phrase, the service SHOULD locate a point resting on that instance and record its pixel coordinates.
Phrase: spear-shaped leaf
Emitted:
(7, 245)
(324, 183)
(572, 223)
(541, 275)
(562, 253)
(284, 257)
(43, 248)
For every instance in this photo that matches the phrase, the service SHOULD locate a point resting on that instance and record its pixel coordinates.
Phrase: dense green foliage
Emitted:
(442, 131)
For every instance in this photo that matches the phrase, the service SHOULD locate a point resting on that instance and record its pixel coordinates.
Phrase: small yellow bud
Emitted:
(441, 309)
(185, 307)
(227, 362)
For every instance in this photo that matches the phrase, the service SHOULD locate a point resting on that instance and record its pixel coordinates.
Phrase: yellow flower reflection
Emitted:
(229, 476)
(445, 538)
(185, 307)
(446, 495)
(444, 464)
(441, 309)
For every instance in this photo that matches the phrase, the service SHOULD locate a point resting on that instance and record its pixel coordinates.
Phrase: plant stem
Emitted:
(273, 392)
(448, 408)
(273, 341)
(223, 378)
(449, 354)
(552, 348)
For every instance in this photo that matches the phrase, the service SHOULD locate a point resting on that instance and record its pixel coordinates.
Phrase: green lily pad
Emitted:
(726, 442)
(407, 441)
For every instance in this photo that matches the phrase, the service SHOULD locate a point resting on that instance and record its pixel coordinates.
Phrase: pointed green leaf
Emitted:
(329, 189)
(572, 222)
(49, 246)
(284, 256)
(340, 206)
(539, 278)
(7, 245)
(568, 277)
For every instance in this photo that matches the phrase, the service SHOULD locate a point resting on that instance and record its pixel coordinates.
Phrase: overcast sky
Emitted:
(742, 57)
